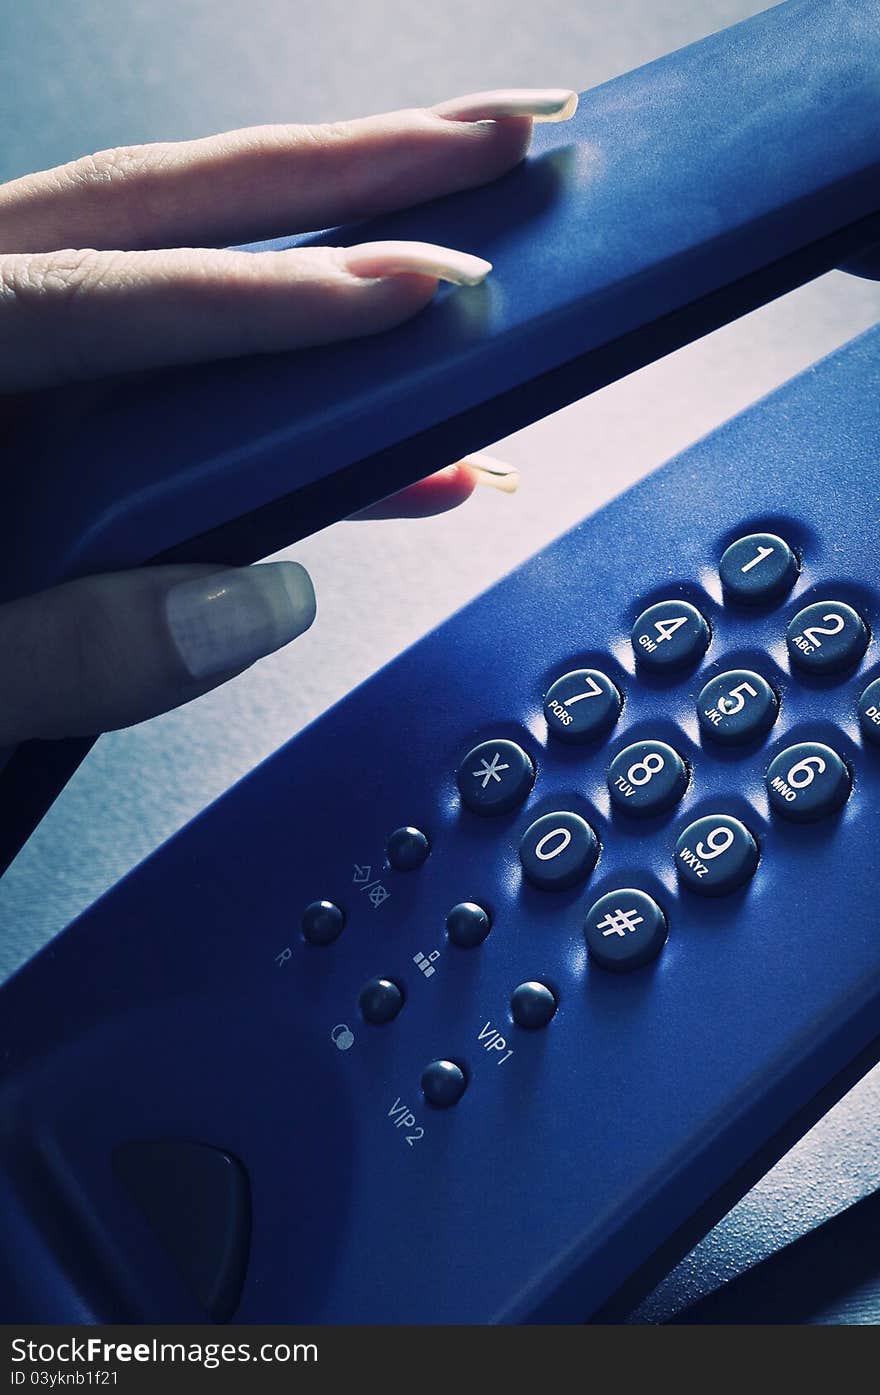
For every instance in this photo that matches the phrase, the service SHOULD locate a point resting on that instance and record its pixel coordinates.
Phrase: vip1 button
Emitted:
(647, 778)
(582, 705)
(826, 637)
(757, 569)
(671, 634)
(737, 706)
(558, 850)
(716, 854)
(495, 777)
(808, 781)
(624, 930)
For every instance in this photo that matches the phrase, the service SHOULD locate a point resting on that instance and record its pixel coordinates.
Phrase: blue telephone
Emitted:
(593, 937)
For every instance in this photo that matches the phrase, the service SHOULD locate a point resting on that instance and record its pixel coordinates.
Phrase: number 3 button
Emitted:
(558, 850)
(669, 635)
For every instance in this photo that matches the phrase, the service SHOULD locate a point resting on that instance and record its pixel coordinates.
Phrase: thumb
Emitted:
(111, 650)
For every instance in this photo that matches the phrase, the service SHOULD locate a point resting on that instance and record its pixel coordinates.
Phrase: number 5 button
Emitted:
(736, 707)
(808, 781)
(558, 850)
(826, 637)
(670, 634)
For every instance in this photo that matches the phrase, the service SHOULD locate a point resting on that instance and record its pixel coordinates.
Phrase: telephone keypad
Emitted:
(808, 781)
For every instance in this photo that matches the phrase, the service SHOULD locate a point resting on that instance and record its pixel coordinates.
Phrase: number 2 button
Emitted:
(826, 637)
(670, 634)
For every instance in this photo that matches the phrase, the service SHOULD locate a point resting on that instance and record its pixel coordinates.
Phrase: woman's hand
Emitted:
(98, 275)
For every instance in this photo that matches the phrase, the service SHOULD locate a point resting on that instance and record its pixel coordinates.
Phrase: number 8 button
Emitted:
(646, 778)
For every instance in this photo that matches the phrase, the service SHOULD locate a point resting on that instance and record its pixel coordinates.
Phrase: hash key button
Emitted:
(495, 777)
(826, 637)
(715, 854)
(808, 781)
(669, 635)
(625, 929)
(757, 568)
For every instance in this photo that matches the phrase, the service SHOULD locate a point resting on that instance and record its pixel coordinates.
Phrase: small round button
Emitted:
(322, 922)
(443, 1083)
(495, 777)
(670, 635)
(532, 1005)
(625, 929)
(380, 1001)
(807, 781)
(646, 778)
(467, 924)
(869, 711)
(558, 850)
(406, 849)
(757, 568)
(716, 854)
(582, 705)
(826, 637)
(736, 707)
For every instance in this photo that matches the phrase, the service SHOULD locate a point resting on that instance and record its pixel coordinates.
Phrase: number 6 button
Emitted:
(558, 850)
(826, 637)
(808, 781)
(715, 854)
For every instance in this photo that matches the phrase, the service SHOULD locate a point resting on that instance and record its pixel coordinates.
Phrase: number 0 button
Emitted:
(757, 568)
(558, 850)
(646, 778)
(495, 777)
(808, 781)
(826, 637)
(669, 635)
(715, 855)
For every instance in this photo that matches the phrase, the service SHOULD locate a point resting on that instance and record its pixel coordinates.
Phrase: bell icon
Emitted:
(342, 1036)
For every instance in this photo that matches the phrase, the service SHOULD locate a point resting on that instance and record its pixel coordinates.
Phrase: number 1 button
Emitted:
(670, 634)
(757, 569)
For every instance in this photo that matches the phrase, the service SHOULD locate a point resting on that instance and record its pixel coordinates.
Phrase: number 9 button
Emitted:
(646, 778)
(715, 854)
(808, 781)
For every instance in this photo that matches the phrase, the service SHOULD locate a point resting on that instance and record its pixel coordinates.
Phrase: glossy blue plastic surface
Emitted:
(737, 157)
(186, 1004)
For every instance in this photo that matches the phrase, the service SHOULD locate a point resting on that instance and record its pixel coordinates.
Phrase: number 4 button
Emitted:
(670, 634)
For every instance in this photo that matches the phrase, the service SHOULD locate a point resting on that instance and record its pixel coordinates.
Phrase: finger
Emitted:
(79, 314)
(445, 489)
(264, 181)
(101, 653)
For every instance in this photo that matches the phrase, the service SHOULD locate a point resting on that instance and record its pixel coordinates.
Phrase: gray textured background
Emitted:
(79, 75)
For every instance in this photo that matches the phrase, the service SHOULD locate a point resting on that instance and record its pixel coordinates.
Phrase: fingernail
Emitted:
(541, 103)
(375, 259)
(496, 473)
(226, 620)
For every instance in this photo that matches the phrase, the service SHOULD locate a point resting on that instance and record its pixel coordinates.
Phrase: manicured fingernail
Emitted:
(541, 103)
(226, 620)
(375, 259)
(496, 473)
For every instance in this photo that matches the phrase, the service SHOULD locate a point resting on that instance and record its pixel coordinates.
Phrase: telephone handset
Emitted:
(493, 1030)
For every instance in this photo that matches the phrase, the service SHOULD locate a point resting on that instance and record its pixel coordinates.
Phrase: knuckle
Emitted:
(109, 166)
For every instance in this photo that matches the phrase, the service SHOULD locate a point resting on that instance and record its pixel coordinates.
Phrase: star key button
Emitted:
(495, 777)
